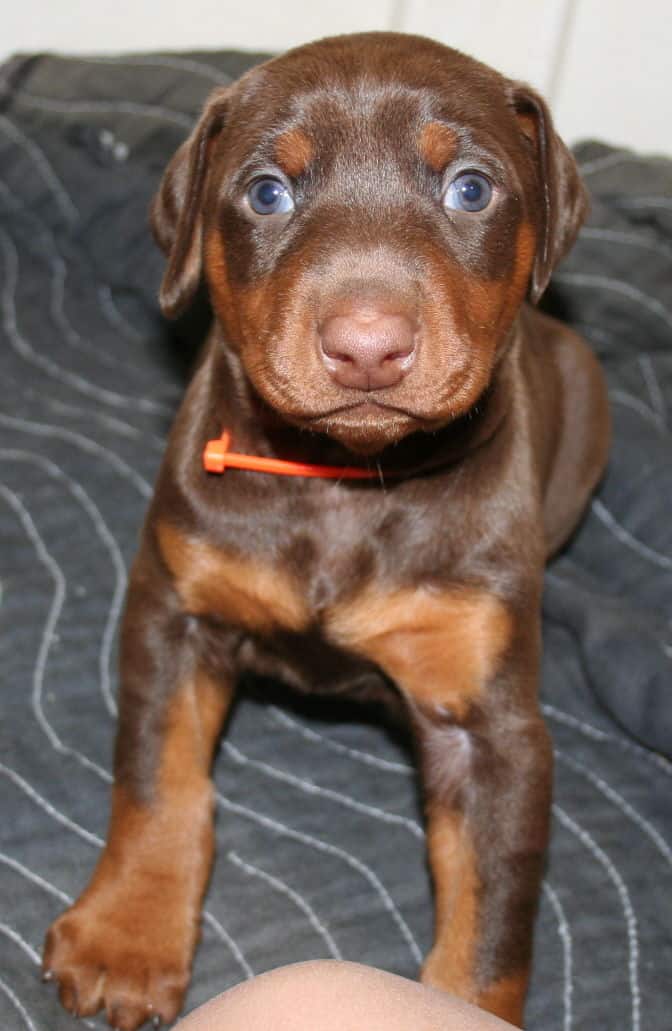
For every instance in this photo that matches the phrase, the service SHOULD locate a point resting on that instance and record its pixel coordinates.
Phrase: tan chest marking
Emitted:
(440, 647)
(239, 590)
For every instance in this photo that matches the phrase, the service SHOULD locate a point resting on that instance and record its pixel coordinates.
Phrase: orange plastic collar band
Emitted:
(217, 458)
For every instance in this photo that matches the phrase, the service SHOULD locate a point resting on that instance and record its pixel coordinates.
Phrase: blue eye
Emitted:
(468, 192)
(270, 197)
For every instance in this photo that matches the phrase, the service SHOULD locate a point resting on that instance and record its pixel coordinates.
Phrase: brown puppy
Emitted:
(370, 214)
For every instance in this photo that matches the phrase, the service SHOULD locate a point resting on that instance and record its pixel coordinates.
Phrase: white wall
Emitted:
(605, 65)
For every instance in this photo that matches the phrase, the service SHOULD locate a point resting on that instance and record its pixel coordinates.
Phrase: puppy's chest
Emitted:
(342, 597)
(287, 574)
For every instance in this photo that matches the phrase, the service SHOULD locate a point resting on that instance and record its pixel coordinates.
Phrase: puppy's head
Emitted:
(369, 213)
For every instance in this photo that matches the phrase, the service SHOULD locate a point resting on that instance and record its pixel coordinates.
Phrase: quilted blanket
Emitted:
(319, 826)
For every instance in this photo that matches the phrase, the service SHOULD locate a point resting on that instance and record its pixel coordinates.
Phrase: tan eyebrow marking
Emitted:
(437, 145)
(293, 152)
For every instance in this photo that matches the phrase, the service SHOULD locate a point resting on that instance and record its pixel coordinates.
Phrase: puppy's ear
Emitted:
(564, 199)
(176, 212)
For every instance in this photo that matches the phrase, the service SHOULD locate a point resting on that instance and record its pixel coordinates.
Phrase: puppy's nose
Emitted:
(368, 350)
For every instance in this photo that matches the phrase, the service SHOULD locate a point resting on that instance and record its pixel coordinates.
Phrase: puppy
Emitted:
(370, 214)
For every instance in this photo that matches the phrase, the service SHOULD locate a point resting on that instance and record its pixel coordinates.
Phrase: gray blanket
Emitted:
(319, 827)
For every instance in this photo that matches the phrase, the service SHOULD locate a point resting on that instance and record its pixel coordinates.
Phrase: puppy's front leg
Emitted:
(487, 814)
(468, 668)
(127, 943)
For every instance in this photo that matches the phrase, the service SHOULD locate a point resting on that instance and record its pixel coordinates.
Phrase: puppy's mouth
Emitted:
(366, 426)
(365, 409)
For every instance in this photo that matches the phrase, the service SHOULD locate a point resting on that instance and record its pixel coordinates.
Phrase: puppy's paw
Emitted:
(120, 959)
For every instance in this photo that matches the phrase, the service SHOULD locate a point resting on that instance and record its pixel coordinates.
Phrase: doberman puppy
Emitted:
(370, 214)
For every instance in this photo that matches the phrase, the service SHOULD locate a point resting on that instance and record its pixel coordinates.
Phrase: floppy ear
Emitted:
(176, 212)
(564, 198)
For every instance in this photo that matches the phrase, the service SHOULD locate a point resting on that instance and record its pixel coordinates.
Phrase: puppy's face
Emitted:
(369, 213)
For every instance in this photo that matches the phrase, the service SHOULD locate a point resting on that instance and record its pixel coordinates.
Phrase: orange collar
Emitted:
(217, 458)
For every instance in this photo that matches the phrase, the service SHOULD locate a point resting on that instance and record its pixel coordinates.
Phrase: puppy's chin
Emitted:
(367, 429)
